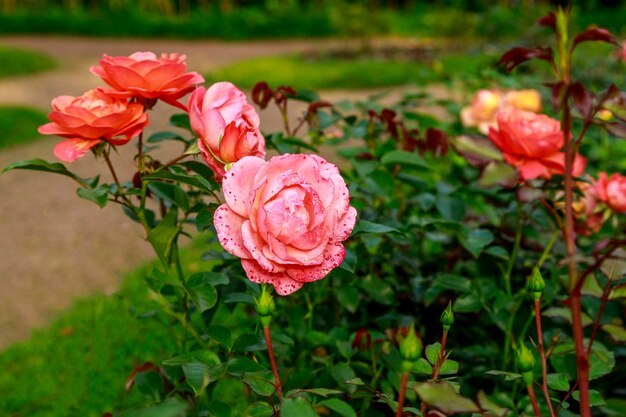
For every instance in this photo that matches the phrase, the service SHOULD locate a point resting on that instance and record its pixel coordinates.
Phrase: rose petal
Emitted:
(228, 226)
(238, 184)
(71, 149)
(283, 284)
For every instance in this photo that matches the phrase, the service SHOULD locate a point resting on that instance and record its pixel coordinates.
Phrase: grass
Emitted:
(17, 61)
(78, 365)
(19, 125)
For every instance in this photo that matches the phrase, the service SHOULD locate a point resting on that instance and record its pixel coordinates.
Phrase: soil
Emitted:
(54, 246)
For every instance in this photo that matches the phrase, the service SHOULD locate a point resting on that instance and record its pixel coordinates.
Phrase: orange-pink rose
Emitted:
(226, 124)
(588, 209)
(612, 191)
(486, 104)
(285, 218)
(532, 143)
(144, 75)
(90, 119)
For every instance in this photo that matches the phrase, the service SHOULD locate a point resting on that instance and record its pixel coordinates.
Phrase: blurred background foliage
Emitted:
(244, 19)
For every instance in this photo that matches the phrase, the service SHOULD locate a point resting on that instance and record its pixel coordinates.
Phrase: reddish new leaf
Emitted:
(518, 55)
(549, 20)
(595, 34)
(583, 99)
(558, 94)
(616, 129)
(262, 94)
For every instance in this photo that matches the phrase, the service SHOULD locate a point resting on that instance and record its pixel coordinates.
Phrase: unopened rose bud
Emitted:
(536, 284)
(265, 306)
(411, 346)
(525, 362)
(447, 317)
(604, 115)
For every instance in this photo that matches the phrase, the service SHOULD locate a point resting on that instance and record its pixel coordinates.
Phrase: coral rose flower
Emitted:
(90, 119)
(226, 124)
(532, 143)
(285, 219)
(144, 75)
(612, 190)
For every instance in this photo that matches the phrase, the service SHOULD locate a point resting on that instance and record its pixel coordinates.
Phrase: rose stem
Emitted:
(533, 399)
(402, 394)
(270, 353)
(544, 359)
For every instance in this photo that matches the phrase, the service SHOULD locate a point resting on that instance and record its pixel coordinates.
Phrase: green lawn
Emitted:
(16, 61)
(19, 125)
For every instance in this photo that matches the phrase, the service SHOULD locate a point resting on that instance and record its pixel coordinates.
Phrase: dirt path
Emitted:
(55, 247)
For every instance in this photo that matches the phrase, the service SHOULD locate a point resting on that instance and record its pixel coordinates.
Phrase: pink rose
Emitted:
(226, 125)
(285, 219)
(144, 75)
(532, 143)
(90, 119)
(612, 191)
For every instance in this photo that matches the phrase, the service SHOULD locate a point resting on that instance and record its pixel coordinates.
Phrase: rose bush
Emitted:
(226, 124)
(147, 76)
(285, 219)
(90, 119)
(532, 143)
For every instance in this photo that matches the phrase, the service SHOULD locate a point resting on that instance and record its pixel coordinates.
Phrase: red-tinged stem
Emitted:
(544, 358)
(402, 394)
(596, 323)
(442, 355)
(582, 360)
(270, 353)
(533, 400)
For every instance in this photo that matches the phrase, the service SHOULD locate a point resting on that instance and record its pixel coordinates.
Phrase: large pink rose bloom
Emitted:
(285, 219)
(226, 124)
(144, 75)
(532, 143)
(90, 119)
(612, 190)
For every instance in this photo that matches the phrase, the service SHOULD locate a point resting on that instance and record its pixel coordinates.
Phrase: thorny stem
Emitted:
(270, 353)
(402, 393)
(544, 358)
(533, 400)
(596, 323)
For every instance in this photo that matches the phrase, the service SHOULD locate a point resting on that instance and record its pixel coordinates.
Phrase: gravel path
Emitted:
(55, 247)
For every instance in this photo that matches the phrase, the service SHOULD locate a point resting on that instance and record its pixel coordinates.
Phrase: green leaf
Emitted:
(618, 333)
(475, 240)
(161, 136)
(404, 158)
(219, 409)
(421, 366)
(476, 148)
(601, 362)
(260, 383)
(171, 407)
(432, 352)
(442, 396)
(498, 173)
(199, 375)
(99, 195)
(194, 181)
(363, 226)
(41, 165)
(322, 392)
(451, 208)
(349, 262)
(248, 343)
(221, 334)
(617, 292)
(615, 267)
(565, 314)
(260, 410)
(170, 193)
(203, 294)
(348, 297)
(297, 407)
(449, 367)
(240, 365)
(341, 373)
(595, 398)
(204, 220)
(508, 376)
(180, 120)
(340, 407)
(203, 356)
(488, 405)
(163, 236)
(558, 382)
